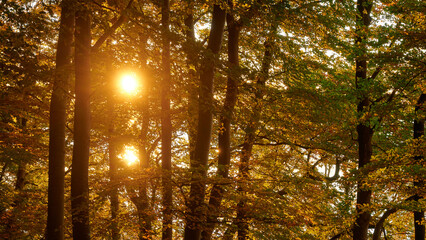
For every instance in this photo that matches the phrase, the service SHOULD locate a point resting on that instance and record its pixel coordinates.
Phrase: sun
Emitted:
(129, 83)
(130, 155)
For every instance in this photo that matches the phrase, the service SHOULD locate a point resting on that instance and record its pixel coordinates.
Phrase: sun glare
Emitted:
(129, 155)
(129, 83)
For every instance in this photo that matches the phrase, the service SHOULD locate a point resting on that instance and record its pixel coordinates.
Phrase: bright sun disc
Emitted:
(130, 155)
(129, 83)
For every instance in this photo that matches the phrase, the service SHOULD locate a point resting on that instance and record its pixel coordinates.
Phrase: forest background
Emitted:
(249, 119)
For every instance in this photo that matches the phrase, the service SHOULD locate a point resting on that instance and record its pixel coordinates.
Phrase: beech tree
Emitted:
(58, 116)
(419, 132)
(299, 127)
(364, 128)
(166, 125)
(80, 159)
(224, 135)
(196, 209)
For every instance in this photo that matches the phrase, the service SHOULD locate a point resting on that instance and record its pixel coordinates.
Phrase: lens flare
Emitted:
(130, 155)
(129, 83)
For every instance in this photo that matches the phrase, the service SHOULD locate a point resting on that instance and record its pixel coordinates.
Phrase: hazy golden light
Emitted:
(129, 83)
(129, 155)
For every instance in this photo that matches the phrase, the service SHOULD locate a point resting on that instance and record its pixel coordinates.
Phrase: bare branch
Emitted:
(112, 29)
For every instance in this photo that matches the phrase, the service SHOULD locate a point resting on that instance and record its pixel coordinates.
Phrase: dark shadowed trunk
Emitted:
(12, 225)
(419, 131)
(191, 53)
(20, 179)
(57, 122)
(141, 202)
(195, 211)
(216, 194)
(379, 225)
(80, 158)
(364, 130)
(112, 148)
(166, 126)
(250, 137)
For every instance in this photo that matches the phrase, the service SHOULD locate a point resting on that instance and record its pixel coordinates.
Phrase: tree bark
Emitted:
(57, 122)
(112, 148)
(191, 52)
(249, 139)
(224, 137)
(12, 225)
(142, 203)
(196, 211)
(20, 178)
(166, 126)
(419, 131)
(80, 159)
(379, 225)
(364, 130)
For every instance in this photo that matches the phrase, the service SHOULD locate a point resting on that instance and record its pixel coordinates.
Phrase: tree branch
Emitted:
(379, 225)
(68, 170)
(112, 29)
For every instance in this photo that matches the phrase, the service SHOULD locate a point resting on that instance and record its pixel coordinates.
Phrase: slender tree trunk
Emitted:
(216, 194)
(192, 55)
(145, 219)
(80, 159)
(113, 167)
(196, 211)
(249, 139)
(20, 178)
(365, 131)
(11, 228)
(3, 171)
(57, 122)
(419, 131)
(112, 148)
(166, 126)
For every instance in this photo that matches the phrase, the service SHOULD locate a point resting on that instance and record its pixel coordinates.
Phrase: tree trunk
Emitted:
(112, 148)
(224, 137)
(80, 159)
(57, 122)
(249, 139)
(145, 219)
(196, 212)
(192, 56)
(364, 130)
(20, 178)
(419, 131)
(12, 225)
(379, 225)
(166, 126)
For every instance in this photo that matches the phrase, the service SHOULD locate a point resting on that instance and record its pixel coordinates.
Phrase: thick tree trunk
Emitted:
(166, 126)
(57, 122)
(364, 130)
(249, 139)
(112, 148)
(419, 131)
(196, 211)
(216, 194)
(80, 159)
